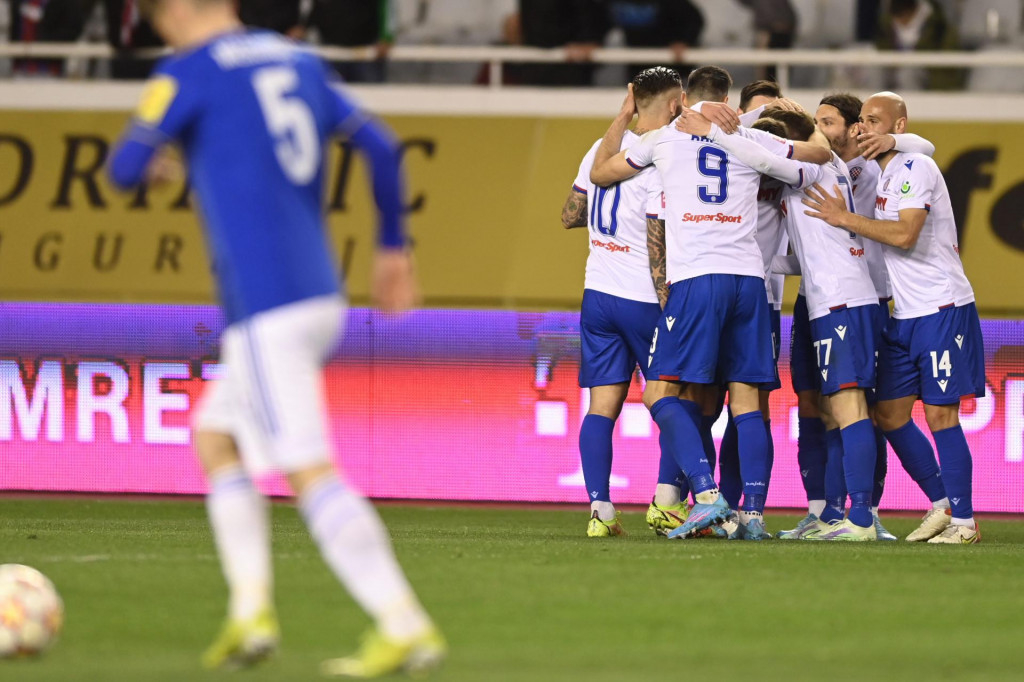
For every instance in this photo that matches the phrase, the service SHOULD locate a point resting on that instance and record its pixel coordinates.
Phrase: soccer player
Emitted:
(841, 306)
(837, 117)
(715, 327)
(252, 112)
(622, 298)
(756, 95)
(932, 348)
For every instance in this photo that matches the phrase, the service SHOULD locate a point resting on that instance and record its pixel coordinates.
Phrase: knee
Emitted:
(216, 451)
(941, 417)
(889, 420)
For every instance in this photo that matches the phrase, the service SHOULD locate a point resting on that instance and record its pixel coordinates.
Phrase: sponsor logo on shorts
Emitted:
(711, 218)
(856, 253)
(669, 321)
(959, 338)
(943, 383)
(824, 375)
(609, 246)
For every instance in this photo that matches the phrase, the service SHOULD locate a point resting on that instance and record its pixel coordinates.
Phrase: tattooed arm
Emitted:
(574, 212)
(656, 256)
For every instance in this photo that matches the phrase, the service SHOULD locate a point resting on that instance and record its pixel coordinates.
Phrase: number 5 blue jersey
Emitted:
(252, 112)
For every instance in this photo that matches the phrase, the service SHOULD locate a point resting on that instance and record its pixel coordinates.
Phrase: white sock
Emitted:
(815, 507)
(964, 522)
(238, 518)
(941, 504)
(707, 497)
(747, 516)
(355, 544)
(667, 495)
(605, 510)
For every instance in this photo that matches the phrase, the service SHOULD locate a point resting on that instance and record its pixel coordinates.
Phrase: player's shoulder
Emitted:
(911, 162)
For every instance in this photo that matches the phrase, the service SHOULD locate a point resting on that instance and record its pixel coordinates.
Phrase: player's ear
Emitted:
(901, 124)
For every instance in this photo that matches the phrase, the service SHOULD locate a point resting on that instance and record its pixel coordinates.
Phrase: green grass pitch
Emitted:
(523, 595)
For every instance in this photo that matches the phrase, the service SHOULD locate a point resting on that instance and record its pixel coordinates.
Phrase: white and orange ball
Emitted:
(31, 611)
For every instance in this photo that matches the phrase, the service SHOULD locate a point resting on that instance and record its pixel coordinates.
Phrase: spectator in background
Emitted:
(576, 25)
(867, 20)
(44, 21)
(774, 27)
(909, 25)
(676, 24)
(355, 23)
(126, 30)
(282, 16)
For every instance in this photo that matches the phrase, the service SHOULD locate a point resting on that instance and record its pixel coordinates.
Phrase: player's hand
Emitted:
(722, 115)
(873, 145)
(164, 169)
(628, 108)
(394, 286)
(829, 207)
(693, 122)
(785, 104)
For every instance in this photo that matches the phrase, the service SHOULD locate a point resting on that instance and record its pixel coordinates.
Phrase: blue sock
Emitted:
(669, 472)
(771, 448)
(957, 467)
(753, 447)
(730, 483)
(707, 440)
(859, 457)
(916, 455)
(835, 483)
(811, 455)
(596, 455)
(881, 467)
(678, 421)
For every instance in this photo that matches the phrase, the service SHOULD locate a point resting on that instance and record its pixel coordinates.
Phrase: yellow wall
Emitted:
(489, 191)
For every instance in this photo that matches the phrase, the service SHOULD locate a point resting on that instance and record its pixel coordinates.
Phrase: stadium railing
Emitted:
(495, 57)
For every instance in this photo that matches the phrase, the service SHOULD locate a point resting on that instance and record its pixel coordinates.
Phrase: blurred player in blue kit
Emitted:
(252, 113)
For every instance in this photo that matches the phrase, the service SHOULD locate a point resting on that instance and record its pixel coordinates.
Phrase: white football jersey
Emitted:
(771, 235)
(832, 263)
(617, 226)
(928, 276)
(710, 203)
(864, 175)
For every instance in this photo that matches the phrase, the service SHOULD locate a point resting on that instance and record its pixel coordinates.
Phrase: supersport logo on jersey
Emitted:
(711, 218)
(610, 246)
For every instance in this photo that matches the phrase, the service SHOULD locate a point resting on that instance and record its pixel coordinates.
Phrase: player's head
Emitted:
(708, 84)
(658, 91)
(903, 9)
(799, 124)
(758, 93)
(884, 112)
(837, 117)
(180, 21)
(773, 126)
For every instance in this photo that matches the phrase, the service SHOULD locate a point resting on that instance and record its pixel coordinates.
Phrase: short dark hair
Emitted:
(773, 126)
(758, 88)
(847, 105)
(652, 82)
(708, 84)
(799, 124)
(148, 7)
(898, 7)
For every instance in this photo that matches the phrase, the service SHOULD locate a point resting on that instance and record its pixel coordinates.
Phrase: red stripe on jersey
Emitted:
(630, 162)
(947, 306)
(852, 384)
(968, 396)
(578, 188)
(792, 150)
(652, 216)
(837, 308)
(668, 377)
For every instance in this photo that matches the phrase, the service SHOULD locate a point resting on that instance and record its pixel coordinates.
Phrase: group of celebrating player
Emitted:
(691, 216)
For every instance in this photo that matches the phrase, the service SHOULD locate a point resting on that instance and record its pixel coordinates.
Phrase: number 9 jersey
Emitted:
(252, 112)
(617, 222)
(711, 204)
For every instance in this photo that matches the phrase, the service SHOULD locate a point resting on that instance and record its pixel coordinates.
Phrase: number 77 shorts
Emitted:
(939, 357)
(269, 396)
(843, 343)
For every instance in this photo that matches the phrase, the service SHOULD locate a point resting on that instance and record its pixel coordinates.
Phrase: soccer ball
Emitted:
(31, 611)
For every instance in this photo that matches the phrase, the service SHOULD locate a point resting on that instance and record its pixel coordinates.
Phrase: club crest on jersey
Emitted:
(669, 321)
(959, 338)
(855, 173)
